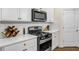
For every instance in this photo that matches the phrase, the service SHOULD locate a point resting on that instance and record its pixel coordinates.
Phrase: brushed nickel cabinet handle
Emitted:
(55, 36)
(77, 30)
(24, 44)
(24, 50)
(19, 18)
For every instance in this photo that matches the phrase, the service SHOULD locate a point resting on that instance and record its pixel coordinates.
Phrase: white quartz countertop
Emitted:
(55, 30)
(52, 31)
(13, 40)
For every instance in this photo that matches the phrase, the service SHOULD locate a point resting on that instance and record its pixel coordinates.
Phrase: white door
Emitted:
(25, 14)
(10, 14)
(77, 26)
(0, 14)
(69, 30)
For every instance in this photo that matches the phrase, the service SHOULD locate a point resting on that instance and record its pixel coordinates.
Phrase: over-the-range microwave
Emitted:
(39, 15)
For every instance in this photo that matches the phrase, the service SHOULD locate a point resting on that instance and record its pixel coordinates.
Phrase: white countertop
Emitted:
(52, 31)
(55, 30)
(9, 41)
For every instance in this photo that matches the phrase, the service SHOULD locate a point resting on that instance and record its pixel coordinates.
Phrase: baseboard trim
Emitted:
(68, 45)
(61, 46)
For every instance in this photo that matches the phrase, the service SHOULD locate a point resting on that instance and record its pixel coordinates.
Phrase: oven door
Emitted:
(46, 46)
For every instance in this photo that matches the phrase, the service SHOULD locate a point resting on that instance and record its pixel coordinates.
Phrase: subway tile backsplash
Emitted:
(21, 26)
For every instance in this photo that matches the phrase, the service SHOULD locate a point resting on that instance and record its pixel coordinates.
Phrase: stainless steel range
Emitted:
(44, 39)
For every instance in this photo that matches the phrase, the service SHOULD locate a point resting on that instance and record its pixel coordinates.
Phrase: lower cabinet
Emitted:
(55, 40)
(30, 45)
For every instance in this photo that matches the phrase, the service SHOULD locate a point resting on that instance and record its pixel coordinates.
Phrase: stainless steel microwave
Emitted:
(39, 15)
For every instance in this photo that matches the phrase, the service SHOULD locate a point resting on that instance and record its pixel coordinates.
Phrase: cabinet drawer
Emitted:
(32, 48)
(15, 47)
(31, 43)
(27, 45)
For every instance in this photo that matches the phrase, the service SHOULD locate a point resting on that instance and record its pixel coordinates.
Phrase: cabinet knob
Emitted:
(24, 44)
(63, 27)
(19, 18)
(55, 36)
(77, 30)
(24, 50)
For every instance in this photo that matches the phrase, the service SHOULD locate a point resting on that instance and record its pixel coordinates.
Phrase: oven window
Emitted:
(45, 45)
(39, 15)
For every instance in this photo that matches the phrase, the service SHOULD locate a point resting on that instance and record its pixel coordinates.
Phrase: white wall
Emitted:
(58, 20)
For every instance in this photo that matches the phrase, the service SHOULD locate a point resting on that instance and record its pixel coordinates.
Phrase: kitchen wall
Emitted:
(21, 26)
(58, 18)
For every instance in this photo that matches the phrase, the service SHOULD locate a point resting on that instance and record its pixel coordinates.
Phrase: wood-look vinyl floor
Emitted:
(67, 49)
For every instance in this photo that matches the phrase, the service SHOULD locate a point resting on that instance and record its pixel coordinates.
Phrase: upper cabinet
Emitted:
(16, 14)
(25, 14)
(50, 13)
(10, 14)
(22, 14)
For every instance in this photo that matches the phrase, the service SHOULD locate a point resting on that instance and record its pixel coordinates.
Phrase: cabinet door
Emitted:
(9, 14)
(57, 37)
(55, 40)
(50, 12)
(30, 45)
(15, 47)
(25, 14)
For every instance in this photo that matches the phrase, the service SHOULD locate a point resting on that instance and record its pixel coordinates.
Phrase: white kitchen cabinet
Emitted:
(10, 14)
(25, 14)
(30, 45)
(50, 12)
(55, 40)
(16, 14)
